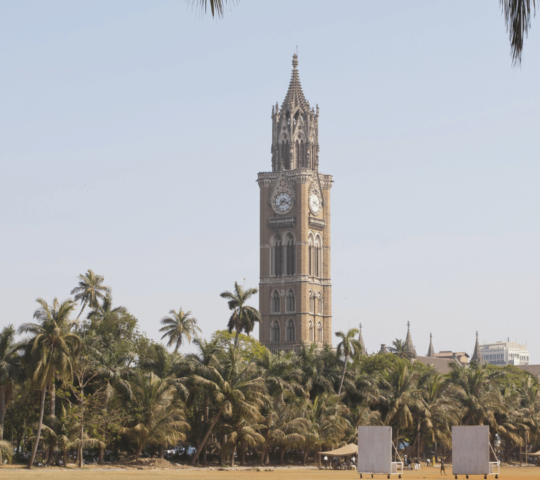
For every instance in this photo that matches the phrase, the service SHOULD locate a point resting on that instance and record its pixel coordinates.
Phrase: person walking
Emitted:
(442, 467)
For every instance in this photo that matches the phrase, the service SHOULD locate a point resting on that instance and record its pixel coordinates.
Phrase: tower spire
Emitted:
(477, 357)
(431, 350)
(295, 96)
(295, 129)
(408, 341)
(361, 340)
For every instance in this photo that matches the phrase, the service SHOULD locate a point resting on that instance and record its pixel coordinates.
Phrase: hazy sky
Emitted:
(132, 132)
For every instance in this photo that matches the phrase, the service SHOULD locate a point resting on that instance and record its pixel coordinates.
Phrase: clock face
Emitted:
(314, 203)
(283, 202)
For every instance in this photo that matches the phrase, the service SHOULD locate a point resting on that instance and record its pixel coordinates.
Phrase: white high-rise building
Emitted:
(505, 353)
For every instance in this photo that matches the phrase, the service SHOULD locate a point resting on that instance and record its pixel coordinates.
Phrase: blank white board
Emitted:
(470, 450)
(374, 450)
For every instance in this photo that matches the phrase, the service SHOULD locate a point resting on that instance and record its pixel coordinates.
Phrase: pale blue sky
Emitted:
(132, 132)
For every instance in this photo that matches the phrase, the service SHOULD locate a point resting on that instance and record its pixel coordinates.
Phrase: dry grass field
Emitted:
(507, 473)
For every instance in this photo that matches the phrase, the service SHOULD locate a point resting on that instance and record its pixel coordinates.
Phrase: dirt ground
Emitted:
(112, 473)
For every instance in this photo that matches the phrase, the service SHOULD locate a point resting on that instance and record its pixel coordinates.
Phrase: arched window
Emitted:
(311, 302)
(319, 303)
(274, 331)
(291, 333)
(276, 302)
(285, 147)
(320, 332)
(311, 332)
(291, 254)
(317, 261)
(277, 255)
(300, 155)
(311, 254)
(291, 301)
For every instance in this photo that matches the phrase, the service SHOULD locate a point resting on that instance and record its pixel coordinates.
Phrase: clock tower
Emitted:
(295, 291)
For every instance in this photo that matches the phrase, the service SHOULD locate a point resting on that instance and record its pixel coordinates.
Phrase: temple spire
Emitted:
(477, 356)
(431, 350)
(408, 341)
(361, 340)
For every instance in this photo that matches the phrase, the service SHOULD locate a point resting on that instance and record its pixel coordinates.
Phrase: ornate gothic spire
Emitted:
(361, 340)
(295, 96)
(431, 350)
(295, 129)
(383, 348)
(477, 356)
(408, 341)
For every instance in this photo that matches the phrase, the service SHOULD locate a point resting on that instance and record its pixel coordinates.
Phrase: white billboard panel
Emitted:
(374, 450)
(470, 450)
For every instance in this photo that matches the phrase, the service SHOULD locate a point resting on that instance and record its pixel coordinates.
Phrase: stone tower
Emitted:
(295, 292)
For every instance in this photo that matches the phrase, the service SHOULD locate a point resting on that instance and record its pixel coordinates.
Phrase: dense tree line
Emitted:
(96, 383)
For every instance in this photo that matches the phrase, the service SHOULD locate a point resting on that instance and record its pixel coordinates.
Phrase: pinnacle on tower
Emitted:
(431, 350)
(361, 340)
(295, 96)
(477, 356)
(408, 341)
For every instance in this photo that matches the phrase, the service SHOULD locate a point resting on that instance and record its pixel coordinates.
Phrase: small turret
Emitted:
(361, 340)
(409, 343)
(431, 350)
(477, 356)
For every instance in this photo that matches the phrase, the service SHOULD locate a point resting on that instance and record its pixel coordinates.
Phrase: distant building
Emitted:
(442, 361)
(505, 353)
(461, 357)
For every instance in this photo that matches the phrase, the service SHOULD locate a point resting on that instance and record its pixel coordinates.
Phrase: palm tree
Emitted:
(400, 395)
(436, 412)
(179, 325)
(244, 316)
(160, 414)
(517, 16)
(348, 347)
(232, 385)
(50, 352)
(400, 349)
(479, 397)
(90, 290)
(10, 370)
(328, 422)
(216, 6)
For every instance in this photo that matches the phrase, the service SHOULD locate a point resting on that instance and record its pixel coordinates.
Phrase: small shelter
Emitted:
(350, 450)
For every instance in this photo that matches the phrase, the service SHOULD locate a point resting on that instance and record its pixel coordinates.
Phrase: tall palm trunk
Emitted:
(52, 414)
(208, 432)
(81, 434)
(84, 305)
(40, 423)
(2, 413)
(343, 373)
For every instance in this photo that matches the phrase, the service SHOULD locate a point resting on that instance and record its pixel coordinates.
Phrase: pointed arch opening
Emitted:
(276, 302)
(291, 301)
(320, 332)
(276, 255)
(311, 331)
(275, 334)
(311, 302)
(291, 330)
(320, 303)
(290, 254)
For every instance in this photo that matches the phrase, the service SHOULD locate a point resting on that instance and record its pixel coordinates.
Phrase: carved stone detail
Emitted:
(282, 222)
(317, 223)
